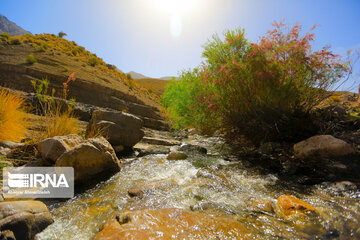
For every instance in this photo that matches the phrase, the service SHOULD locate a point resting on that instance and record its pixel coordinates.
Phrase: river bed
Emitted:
(207, 183)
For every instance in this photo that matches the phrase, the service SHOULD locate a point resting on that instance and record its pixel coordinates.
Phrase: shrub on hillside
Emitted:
(62, 34)
(31, 59)
(13, 123)
(15, 41)
(93, 61)
(263, 91)
(5, 35)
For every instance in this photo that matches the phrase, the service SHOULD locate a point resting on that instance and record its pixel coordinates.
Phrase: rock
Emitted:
(7, 235)
(24, 218)
(144, 149)
(289, 206)
(193, 131)
(261, 205)
(52, 148)
(193, 148)
(158, 141)
(92, 157)
(4, 151)
(172, 224)
(139, 189)
(176, 155)
(10, 144)
(322, 146)
(344, 186)
(120, 128)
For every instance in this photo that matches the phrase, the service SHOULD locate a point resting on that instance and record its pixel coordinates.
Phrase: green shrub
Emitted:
(62, 34)
(263, 91)
(15, 41)
(93, 61)
(5, 35)
(31, 59)
(43, 47)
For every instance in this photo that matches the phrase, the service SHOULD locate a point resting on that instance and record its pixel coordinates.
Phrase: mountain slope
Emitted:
(97, 83)
(10, 27)
(135, 75)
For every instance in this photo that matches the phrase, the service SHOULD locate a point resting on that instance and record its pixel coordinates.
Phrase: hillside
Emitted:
(10, 27)
(97, 83)
(153, 85)
(135, 75)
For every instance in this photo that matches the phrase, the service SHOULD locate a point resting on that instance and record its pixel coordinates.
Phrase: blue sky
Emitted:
(162, 37)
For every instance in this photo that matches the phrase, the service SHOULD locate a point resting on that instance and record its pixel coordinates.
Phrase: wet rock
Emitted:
(144, 149)
(158, 141)
(344, 186)
(120, 128)
(193, 131)
(52, 148)
(322, 146)
(176, 155)
(172, 224)
(92, 157)
(288, 206)
(23, 218)
(193, 148)
(261, 205)
(139, 189)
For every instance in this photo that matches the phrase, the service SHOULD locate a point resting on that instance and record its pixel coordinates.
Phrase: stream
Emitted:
(207, 183)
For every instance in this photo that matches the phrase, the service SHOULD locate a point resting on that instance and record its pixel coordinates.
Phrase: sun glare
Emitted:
(176, 9)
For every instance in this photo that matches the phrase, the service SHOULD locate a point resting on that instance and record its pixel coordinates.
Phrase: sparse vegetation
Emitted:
(62, 34)
(59, 118)
(31, 59)
(93, 61)
(15, 41)
(43, 47)
(5, 35)
(13, 123)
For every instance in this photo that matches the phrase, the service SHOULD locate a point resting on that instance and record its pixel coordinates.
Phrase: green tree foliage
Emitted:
(263, 91)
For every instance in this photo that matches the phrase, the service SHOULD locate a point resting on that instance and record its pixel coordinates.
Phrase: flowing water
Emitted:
(207, 183)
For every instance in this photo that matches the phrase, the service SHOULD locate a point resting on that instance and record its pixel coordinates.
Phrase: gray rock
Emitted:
(120, 128)
(322, 146)
(92, 157)
(193, 148)
(159, 141)
(52, 148)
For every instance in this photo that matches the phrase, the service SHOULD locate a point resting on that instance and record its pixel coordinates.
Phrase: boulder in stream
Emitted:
(172, 223)
(176, 155)
(92, 157)
(23, 219)
(193, 148)
(322, 146)
(120, 128)
(288, 206)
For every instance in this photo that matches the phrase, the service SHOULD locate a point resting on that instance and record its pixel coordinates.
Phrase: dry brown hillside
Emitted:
(153, 85)
(34, 57)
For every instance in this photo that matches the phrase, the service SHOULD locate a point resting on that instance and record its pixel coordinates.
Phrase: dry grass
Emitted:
(13, 123)
(57, 123)
(154, 85)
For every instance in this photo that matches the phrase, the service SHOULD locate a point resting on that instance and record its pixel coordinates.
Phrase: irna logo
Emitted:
(36, 180)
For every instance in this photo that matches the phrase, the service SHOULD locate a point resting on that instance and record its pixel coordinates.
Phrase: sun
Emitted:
(176, 9)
